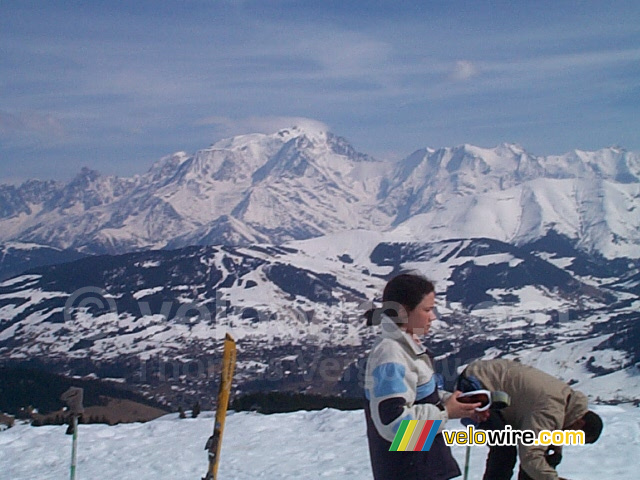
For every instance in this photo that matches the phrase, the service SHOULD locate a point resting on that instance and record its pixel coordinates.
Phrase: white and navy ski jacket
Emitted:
(400, 382)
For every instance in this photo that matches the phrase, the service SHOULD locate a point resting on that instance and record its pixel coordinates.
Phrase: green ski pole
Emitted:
(73, 399)
(467, 455)
(74, 448)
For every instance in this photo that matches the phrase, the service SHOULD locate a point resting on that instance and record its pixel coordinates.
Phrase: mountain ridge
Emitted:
(303, 183)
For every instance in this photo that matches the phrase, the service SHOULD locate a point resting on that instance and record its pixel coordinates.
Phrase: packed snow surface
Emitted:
(327, 444)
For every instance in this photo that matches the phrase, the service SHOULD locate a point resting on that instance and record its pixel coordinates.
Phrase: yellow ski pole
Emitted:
(214, 443)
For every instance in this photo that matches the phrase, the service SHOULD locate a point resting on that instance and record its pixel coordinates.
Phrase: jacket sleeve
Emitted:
(533, 461)
(391, 392)
(549, 416)
(444, 395)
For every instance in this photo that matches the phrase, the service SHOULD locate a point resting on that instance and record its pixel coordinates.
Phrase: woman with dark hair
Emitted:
(400, 384)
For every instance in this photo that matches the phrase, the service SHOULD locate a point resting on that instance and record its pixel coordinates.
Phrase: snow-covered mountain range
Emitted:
(304, 183)
(285, 239)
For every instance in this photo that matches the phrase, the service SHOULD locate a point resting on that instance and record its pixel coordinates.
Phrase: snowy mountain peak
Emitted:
(304, 181)
(307, 128)
(164, 169)
(87, 190)
(86, 175)
(313, 131)
(170, 162)
(610, 164)
(505, 158)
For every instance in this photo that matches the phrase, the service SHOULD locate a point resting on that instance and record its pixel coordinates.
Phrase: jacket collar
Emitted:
(391, 330)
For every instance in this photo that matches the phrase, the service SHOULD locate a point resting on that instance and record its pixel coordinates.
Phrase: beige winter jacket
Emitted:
(538, 402)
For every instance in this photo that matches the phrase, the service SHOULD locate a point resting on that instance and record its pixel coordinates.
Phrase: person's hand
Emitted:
(456, 409)
(553, 456)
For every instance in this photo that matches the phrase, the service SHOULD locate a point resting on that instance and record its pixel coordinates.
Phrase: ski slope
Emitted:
(328, 444)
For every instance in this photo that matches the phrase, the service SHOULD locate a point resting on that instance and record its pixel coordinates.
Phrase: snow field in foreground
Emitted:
(328, 444)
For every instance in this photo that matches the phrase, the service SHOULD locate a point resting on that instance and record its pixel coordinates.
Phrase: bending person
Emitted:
(539, 402)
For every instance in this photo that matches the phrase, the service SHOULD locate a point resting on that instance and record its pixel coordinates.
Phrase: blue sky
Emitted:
(116, 85)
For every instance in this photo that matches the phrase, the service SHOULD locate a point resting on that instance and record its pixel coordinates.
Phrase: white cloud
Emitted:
(30, 123)
(463, 70)
(226, 126)
(345, 54)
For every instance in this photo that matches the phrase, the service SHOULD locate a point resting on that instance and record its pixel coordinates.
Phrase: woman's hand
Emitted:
(456, 409)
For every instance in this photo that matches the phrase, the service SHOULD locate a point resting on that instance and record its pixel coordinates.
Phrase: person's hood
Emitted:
(577, 406)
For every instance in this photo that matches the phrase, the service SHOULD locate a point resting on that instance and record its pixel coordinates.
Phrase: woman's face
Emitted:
(420, 318)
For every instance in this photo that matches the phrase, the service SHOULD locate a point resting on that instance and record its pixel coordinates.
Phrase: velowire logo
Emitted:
(415, 435)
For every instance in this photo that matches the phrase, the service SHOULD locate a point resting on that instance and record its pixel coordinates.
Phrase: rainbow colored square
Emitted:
(415, 435)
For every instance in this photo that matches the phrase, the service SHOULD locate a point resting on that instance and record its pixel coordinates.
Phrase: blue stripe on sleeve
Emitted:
(388, 379)
(426, 389)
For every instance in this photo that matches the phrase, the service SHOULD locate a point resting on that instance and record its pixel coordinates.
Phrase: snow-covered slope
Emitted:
(16, 257)
(327, 444)
(507, 194)
(157, 318)
(302, 183)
